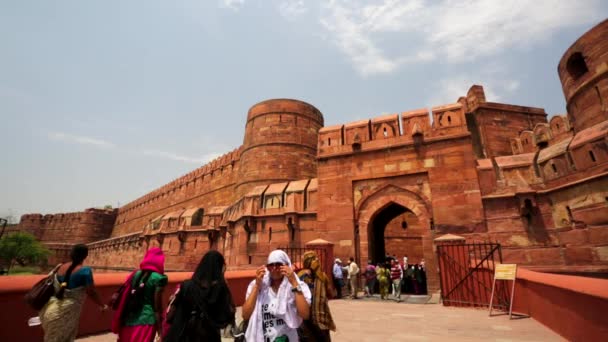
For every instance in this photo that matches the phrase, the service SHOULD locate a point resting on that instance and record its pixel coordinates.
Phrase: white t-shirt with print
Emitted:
(272, 325)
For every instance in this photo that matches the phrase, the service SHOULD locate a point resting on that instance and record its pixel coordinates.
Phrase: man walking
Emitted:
(396, 276)
(338, 277)
(353, 275)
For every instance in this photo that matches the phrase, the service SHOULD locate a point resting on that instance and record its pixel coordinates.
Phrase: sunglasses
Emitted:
(274, 265)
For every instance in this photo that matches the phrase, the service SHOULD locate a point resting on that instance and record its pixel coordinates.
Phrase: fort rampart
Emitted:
(388, 184)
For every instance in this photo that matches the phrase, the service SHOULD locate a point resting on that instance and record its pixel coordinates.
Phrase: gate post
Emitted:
(447, 277)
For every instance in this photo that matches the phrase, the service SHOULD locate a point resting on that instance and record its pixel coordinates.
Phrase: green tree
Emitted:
(21, 248)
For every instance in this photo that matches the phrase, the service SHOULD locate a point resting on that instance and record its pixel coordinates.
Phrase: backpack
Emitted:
(135, 297)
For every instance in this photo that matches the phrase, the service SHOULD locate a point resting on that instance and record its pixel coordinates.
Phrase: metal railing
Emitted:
(466, 275)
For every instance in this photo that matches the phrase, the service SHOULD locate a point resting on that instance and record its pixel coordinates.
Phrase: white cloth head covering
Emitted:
(278, 256)
(284, 307)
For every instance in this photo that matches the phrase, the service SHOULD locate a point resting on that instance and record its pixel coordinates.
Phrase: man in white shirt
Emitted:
(276, 301)
(338, 277)
(353, 276)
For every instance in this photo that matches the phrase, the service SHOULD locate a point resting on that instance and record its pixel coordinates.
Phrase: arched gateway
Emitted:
(394, 220)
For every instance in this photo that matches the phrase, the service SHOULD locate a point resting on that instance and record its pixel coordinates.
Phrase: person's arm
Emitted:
(301, 304)
(92, 292)
(250, 302)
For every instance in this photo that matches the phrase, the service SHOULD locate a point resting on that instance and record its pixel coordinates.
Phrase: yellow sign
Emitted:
(505, 271)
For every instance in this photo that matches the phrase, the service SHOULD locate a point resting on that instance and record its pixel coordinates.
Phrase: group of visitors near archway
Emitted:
(390, 275)
(281, 304)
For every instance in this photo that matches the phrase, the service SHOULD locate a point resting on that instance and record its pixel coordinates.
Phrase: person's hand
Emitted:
(259, 276)
(103, 307)
(287, 271)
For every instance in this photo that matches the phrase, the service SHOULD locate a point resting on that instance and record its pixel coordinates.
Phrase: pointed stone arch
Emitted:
(383, 202)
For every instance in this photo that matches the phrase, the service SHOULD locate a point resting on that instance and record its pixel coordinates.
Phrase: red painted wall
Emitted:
(15, 312)
(574, 307)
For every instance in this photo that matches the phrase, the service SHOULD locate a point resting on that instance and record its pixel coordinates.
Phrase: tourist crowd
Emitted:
(284, 302)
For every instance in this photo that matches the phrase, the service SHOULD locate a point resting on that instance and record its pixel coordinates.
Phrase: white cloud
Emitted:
(291, 9)
(234, 5)
(187, 159)
(455, 31)
(76, 139)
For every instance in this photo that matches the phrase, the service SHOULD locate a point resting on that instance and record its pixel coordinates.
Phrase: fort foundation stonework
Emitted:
(482, 170)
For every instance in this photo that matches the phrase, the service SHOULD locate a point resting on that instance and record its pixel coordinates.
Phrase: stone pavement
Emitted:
(370, 320)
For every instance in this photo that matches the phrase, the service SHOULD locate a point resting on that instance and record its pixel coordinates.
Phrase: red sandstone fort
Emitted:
(392, 184)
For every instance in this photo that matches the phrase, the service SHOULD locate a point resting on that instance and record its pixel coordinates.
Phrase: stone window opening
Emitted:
(554, 168)
(592, 156)
(328, 141)
(292, 229)
(527, 212)
(449, 119)
(599, 95)
(250, 259)
(576, 65)
(557, 126)
(270, 234)
(404, 224)
(569, 212)
(385, 132)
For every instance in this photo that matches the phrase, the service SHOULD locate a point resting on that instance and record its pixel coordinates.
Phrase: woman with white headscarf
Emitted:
(276, 303)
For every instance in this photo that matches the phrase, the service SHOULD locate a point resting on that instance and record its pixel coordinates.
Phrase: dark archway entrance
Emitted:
(377, 244)
(395, 230)
(396, 221)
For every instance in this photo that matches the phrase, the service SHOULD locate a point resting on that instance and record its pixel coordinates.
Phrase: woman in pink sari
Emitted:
(139, 314)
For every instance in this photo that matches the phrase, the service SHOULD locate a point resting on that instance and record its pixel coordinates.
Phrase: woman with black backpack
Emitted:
(140, 312)
(202, 305)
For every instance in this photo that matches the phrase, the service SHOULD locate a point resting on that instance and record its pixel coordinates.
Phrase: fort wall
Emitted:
(280, 143)
(583, 71)
(484, 170)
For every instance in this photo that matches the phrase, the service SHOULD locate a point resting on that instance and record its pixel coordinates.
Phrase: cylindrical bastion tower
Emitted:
(583, 71)
(280, 143)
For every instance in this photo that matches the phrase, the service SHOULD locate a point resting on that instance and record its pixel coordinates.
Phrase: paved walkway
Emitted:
(375, 320)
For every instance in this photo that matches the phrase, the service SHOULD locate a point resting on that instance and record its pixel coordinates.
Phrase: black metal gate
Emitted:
(296, 255)
(467, 273)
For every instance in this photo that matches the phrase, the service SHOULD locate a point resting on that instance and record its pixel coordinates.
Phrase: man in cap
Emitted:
(338, 277)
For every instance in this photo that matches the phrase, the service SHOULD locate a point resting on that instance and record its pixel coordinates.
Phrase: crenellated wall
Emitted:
(79, 227)
(209, 185)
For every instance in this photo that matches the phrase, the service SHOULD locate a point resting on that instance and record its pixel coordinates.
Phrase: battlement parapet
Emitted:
(548, 157)
(413, 127)
(226, 161)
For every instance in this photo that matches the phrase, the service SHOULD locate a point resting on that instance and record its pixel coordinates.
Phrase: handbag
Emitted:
(42, 291)
(238, 331)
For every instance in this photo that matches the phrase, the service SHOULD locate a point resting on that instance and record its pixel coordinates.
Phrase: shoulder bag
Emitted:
(42, 291)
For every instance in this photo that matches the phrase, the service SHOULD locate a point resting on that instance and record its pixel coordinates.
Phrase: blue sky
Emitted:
(104, 101)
